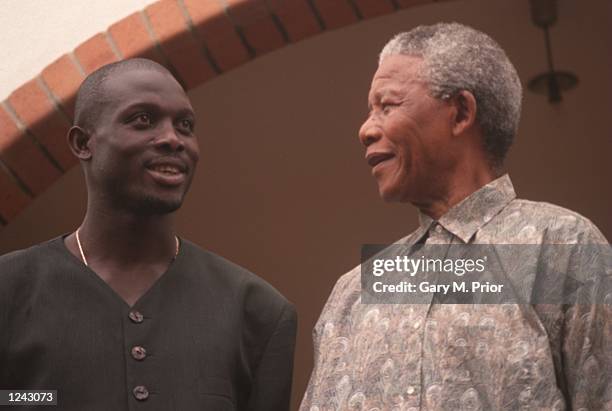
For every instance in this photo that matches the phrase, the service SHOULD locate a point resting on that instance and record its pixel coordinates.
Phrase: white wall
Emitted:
(33, 33)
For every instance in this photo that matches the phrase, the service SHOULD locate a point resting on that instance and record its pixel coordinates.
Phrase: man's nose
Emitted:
(169, 138)
(369, 132)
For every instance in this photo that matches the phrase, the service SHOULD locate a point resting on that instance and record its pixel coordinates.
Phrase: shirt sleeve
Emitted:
(587, 356)
(587, 340)
(332, 313)
(271, 389)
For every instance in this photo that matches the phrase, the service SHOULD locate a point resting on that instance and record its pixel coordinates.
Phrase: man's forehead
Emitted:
(142, 78)
(395, 73)
(398, 67)
(143, 83)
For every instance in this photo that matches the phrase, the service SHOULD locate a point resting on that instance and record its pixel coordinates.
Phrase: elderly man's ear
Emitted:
(78, 140)
(464, 117)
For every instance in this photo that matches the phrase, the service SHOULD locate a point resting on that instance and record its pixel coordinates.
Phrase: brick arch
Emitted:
(196, 39)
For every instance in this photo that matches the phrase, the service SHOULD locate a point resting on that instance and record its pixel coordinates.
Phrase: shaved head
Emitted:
(92, 93)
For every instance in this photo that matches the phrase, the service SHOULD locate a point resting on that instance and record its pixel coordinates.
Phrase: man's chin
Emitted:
(388, 195)
(159, 206)
(393, 194)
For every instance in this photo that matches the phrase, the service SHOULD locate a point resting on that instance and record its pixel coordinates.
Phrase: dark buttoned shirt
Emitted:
(208, 335)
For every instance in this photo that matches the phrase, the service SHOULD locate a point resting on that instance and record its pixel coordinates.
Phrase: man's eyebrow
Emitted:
(380, 94)
(186, 111)
(388, 91)
(373, 97)
(139, 105)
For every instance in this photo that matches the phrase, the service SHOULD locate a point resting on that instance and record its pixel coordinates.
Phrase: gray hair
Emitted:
(457, 57)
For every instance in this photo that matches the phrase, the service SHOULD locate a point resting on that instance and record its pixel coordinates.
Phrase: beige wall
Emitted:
(33, 33)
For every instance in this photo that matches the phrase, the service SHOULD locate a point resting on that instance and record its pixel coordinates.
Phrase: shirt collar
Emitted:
(473, 212)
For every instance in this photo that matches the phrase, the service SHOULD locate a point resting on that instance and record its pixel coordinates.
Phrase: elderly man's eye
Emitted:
(387, 107)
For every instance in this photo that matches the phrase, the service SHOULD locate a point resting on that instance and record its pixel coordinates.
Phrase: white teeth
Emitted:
(167, 169)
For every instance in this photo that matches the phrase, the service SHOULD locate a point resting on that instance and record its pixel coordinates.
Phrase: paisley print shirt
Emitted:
(405, 357)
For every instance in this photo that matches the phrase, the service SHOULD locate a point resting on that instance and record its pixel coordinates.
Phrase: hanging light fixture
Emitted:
(553, 82)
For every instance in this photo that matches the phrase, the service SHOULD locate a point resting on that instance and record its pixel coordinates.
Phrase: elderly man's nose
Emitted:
(369, 133)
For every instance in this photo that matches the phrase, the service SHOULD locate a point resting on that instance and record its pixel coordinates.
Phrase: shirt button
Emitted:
(136, 317)
(139, 353)
(410, 390)
(140, 392)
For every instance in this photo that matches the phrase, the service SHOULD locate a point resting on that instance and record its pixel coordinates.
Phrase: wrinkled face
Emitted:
(144, 151)
(407, 132)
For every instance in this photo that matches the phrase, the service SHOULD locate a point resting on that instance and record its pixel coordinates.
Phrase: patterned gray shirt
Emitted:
(468, 357)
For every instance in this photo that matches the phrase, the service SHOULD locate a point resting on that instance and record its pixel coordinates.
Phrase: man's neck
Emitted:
(126, 239)
(455, 189)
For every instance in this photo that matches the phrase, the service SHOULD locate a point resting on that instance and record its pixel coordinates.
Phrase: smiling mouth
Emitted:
(168, 175)
(377, 158)
(169, 170)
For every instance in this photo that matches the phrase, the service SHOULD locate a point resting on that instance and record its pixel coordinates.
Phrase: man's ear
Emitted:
(465, 112)
(78, 140)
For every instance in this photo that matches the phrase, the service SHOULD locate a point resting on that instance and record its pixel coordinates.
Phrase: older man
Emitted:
(444, 109)
(122, 314)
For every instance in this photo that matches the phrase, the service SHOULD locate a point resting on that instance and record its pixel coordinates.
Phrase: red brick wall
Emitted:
(195, 39)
